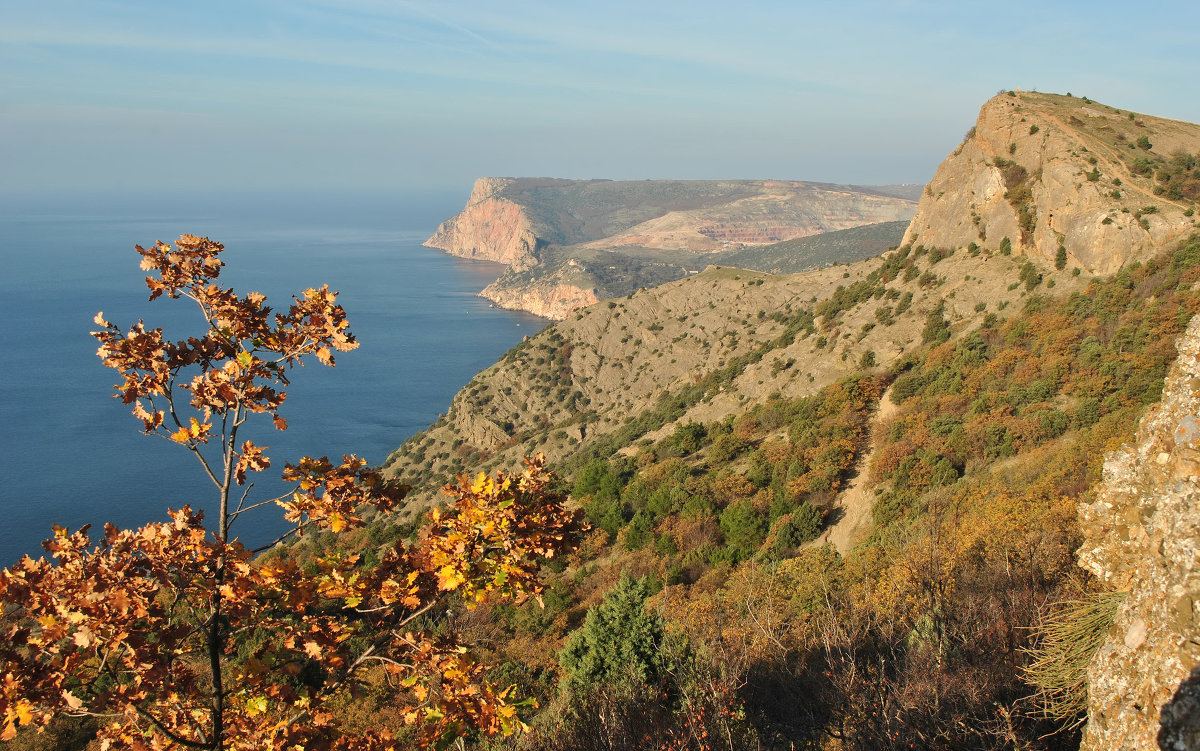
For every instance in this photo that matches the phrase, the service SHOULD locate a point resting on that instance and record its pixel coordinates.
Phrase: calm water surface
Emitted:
(72, 455)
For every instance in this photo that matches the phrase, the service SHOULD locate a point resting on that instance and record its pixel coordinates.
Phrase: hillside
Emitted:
(815, 251)
(712, 476)
(704, 348)
(575, 276)
(570, 242)
(713, 344)
(938, 413)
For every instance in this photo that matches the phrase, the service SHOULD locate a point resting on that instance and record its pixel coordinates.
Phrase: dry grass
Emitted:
(1068, 637)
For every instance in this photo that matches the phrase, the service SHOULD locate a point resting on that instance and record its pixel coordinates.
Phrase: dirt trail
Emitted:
(856, 500)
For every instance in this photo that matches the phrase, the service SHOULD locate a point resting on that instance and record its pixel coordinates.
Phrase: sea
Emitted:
(73, 455)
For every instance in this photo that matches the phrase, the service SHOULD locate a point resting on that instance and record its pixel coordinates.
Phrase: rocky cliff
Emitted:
(490, 228)
(1047, 171)
(1142, 536)
(552, 297)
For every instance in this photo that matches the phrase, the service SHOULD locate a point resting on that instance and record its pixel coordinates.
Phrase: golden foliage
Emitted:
(176, 637)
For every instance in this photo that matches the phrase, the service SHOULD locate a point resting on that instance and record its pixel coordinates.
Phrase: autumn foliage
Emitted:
(176, 636)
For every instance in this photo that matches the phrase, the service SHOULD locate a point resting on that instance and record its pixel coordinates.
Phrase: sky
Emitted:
(111, 95)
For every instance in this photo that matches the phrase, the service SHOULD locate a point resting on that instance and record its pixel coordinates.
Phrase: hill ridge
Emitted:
(558, 237)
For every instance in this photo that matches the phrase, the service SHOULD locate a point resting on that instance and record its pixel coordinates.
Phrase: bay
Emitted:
(71, 455)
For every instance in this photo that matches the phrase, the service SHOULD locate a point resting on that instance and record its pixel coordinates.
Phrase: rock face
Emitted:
(1180, 729)
(1046, 170)
(490, 228)
(549, 298)
(1142, 535)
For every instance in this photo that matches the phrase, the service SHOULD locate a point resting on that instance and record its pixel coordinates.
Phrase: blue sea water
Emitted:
(72, 455)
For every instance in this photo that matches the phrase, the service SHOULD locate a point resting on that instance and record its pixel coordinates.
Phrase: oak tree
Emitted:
(175, 635)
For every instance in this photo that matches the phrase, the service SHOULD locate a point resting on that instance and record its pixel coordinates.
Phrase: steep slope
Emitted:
(490, 228)
(995, 427)
(710, 345)
(704, 348)
(1047, 171)
(851, 510)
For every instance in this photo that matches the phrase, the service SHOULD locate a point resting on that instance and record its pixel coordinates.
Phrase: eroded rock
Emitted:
(1142, 535)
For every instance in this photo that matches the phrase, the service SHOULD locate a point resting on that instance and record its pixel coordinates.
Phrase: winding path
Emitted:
(856, 500)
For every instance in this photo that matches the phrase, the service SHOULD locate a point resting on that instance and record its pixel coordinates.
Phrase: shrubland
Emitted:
(702, 610)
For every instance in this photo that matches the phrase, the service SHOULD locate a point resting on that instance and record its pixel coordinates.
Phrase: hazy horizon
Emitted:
(367, 95)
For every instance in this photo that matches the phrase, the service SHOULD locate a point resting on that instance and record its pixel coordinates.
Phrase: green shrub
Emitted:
(743, 528)
(726, 447)
(937, 329)
(1142, 166)
(1030, 276)
(688, 438)
(619, 642)
(796, 528)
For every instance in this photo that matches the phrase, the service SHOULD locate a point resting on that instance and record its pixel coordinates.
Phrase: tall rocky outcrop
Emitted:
(1046, 171)
(490, 228)
(1142, 535)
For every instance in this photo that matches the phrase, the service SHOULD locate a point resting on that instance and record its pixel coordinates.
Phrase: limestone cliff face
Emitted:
(1045, 171)
(490, 228)
(1142, 535)
(551, 298)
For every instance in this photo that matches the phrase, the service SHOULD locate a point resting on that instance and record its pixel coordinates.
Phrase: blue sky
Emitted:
(113, 95)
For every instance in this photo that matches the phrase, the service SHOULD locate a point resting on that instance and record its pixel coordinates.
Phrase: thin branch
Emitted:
(175, 416)
(251, 507)
(163, 729)
(390, 661)
(368, 655)
(417, 613)
(85, 713)
(242, 500)
(354, 666)
(154, 720)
